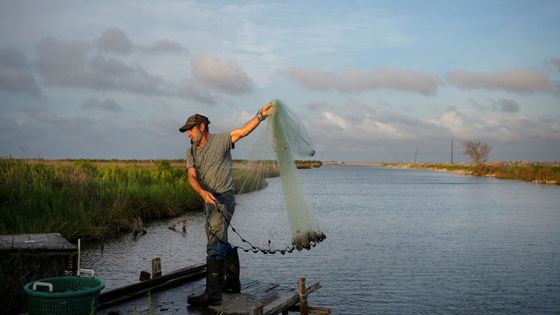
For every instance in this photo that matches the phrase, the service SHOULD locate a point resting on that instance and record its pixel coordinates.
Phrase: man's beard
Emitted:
(197, 140)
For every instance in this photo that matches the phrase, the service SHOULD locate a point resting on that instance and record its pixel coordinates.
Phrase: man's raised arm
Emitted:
(264, 112)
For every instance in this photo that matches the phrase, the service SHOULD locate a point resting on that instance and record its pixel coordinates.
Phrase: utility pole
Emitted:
(451, 151)
(415, 155)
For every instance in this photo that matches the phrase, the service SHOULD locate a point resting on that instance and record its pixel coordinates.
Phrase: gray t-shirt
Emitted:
(213, 164)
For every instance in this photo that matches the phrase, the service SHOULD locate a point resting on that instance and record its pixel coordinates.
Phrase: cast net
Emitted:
(273, 155)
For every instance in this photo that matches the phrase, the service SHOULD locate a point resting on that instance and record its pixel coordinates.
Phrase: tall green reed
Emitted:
(83, 200)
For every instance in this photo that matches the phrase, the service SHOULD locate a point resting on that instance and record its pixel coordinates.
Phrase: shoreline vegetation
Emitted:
(535, 172)
(96, 199)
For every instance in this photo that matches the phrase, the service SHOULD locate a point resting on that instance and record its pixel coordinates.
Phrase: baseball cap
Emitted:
(193, 121)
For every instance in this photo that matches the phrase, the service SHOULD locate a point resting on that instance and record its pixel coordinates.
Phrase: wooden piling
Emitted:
(156, 267)
(144, 275)
(302, 296)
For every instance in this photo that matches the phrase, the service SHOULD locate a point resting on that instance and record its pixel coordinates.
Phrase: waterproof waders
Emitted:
(232, 283)
(214, 283)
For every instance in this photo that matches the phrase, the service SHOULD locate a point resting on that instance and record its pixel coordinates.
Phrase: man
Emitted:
(210, 174)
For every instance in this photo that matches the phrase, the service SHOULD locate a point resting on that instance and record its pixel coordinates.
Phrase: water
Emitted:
(398, 242)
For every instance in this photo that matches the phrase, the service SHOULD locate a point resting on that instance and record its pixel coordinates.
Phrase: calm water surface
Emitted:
(398, 242)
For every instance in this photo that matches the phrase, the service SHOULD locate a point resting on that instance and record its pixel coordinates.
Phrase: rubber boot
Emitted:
(232, 283)
(214, 283)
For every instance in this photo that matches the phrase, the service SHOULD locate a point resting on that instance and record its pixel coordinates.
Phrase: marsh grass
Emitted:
(83, 199)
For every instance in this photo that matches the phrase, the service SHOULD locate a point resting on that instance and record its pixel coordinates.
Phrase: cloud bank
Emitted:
(352, 80)
(117, 41)
(512, 80)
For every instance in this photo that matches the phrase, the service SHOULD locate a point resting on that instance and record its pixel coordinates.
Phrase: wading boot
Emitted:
(232, 283)
(214, 282)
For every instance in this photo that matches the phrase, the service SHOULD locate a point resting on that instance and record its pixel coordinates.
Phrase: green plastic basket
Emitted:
(70, 295)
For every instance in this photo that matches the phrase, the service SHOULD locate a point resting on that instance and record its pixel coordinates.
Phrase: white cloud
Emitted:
(335, 120)
(452, 120)
(368, 127)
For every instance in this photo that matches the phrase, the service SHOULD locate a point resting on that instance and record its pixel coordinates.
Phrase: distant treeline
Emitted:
(93, 199)
(537, 172)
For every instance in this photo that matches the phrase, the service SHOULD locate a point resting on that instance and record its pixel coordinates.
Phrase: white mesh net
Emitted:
(273, 155)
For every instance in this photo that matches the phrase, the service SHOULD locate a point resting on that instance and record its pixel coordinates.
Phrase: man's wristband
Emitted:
(260, 115)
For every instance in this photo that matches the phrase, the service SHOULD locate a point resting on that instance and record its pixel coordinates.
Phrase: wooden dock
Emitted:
(49, 244)
(27, 257)
(168, 295)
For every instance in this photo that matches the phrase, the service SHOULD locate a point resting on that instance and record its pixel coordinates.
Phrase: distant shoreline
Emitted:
(535, 172)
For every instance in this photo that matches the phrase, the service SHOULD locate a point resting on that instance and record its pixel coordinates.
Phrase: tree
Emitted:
(476, 150)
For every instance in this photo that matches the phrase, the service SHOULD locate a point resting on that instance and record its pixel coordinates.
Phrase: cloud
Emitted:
(512, 80)
(369, 127)
(352, 80)
(64, 63)
(67, 64)
(373, 135)
(506, 106)
(223, 75)
(108, 104)
(494, 127)
(15, 75)
(117, 41)
(110, 66)
(335, 120)
(142, 82)
(165, 46)
(454, 122)
(114, 40)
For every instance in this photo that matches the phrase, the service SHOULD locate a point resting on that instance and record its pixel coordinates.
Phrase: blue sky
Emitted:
(371, 80)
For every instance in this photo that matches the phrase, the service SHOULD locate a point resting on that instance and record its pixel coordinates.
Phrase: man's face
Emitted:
(195, 133)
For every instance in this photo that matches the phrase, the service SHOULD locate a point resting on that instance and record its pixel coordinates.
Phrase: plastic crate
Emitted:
(70, 295)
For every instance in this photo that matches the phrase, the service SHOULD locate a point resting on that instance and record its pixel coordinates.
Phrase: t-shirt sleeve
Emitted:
(190, 159)
(226, 141)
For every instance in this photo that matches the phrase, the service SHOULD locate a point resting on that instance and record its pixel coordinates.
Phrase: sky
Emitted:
(392, 81)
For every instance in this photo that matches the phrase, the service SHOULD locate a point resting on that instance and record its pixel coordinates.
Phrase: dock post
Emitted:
(156, 267)
(302, 293)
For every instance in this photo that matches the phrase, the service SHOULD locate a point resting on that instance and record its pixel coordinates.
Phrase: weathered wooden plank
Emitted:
(311, 310)
(139, 288)
(35, 242)
(288, 300)
(173, 300)
(238, 304)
